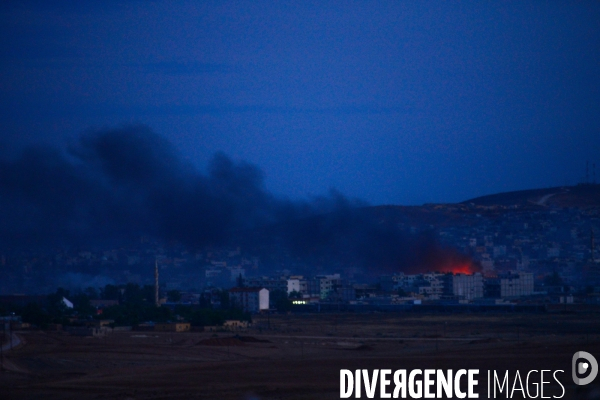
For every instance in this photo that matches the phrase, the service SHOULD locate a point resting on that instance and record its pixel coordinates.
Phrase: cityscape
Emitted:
(521, 254)
(296, 200)
(512, 269)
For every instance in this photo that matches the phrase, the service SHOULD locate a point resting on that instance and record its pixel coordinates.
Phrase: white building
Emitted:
(327, 284)
(67, 303)
(293, 285)
(434, 289)
(467, 287)
(430, 285)
(250, 299)
(516, 284)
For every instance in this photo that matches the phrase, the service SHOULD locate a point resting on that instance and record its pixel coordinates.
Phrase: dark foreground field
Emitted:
(295, 356)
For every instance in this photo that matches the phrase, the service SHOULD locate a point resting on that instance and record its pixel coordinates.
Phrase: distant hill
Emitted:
(583, 195)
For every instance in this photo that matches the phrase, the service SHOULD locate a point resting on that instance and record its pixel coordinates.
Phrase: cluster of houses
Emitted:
(397, 288)
(503, 239)
(464, 288)
(516, 248)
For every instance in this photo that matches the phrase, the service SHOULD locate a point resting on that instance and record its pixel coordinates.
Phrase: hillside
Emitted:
(583, 195)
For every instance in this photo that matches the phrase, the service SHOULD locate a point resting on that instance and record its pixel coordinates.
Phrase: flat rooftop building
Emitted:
(250, 299)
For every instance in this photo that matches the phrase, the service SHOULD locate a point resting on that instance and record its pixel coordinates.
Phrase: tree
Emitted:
(148, 293)
(91, 293)
(279, 300)
(110, 292)
(81, 304)
(224, 298)
(553, 280)
(133, 294)
(34, 314)
(174, 296)
(240, 281)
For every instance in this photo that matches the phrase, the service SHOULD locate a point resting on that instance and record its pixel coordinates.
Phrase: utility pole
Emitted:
(587, 172)
(592, 245)
(1, 348)
(156, 299)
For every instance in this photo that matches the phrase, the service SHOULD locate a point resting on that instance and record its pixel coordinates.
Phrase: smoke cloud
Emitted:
(125, 182)
(116, 184)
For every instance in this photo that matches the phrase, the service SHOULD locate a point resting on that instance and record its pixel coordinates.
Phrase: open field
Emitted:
(294, 356)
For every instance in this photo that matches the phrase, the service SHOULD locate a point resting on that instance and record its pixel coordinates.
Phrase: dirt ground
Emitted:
(295, 356)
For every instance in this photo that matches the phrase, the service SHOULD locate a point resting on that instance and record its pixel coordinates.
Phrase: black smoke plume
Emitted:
(114, 185)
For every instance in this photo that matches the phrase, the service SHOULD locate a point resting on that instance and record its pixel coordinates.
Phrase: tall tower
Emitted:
(156, 300)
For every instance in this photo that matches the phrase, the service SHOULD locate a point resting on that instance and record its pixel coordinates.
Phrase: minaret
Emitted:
(156, 301)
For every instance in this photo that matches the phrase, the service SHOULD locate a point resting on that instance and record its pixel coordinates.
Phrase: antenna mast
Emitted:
(593, 245)
(587, 172)
(156, 300)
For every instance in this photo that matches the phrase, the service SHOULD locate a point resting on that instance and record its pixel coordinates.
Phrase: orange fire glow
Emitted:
(458, 268)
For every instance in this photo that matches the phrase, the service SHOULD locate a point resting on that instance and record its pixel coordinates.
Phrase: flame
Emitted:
(463, 269)
(458, 268)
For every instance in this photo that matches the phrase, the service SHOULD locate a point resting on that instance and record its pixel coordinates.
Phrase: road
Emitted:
(371, 339)
(15, 342)
(544, 199)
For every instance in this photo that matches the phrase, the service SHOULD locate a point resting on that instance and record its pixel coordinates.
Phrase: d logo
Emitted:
(589, 365)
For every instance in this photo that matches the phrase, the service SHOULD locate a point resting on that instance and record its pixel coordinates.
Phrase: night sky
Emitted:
(389, 102)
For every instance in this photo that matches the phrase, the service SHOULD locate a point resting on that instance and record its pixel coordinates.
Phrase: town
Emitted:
(534, 255)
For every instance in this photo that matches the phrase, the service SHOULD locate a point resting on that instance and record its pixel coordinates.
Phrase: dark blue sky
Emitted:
(391, 102)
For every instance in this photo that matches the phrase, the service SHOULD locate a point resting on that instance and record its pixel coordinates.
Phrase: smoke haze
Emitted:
(116, 184)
